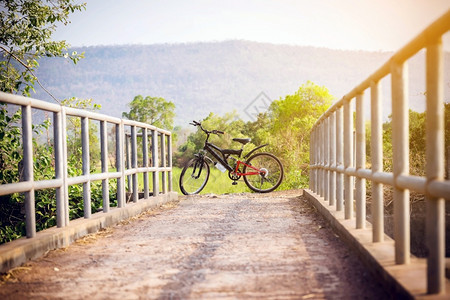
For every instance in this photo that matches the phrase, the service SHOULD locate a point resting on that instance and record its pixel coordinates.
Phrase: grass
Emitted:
(218, 183)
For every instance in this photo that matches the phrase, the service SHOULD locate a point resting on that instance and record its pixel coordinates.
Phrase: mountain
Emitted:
(212, 77)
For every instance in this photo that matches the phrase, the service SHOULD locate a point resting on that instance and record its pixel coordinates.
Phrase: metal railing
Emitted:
(160, 155)
(334, 170)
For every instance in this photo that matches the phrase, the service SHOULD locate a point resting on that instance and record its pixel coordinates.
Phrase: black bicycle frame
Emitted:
(210, 149)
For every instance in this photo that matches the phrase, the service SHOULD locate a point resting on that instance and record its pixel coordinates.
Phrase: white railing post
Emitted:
(332, 158)
(311, 163)
(135, 192)
(435, 151)
(170, 162)
(86, 166)
(155, 161)
(59, 168)
(339, 159)
(128, 160)
(163, 163)
(376, 153)
(104, 162)
(360, 163)
(145, 158)
(319, 160)
(314, 161)
(64, 162)
(323, 160)
(315, 176)
(28, 175)
(400, 149)
(348, 159)
(326, 152)
(120, 137)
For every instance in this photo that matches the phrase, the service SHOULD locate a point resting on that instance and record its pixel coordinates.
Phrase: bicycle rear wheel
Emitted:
(270, 172)
(194, 176)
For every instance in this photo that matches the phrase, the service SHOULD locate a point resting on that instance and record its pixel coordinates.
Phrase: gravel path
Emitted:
(249, 246)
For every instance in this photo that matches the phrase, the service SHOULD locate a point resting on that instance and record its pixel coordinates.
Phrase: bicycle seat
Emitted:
(242, 141)
(232, 151)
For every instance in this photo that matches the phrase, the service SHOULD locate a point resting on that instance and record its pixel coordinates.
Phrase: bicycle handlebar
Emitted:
(195, 123)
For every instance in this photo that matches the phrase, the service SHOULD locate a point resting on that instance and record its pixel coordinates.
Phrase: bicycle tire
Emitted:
(192, 182)
(271, 179)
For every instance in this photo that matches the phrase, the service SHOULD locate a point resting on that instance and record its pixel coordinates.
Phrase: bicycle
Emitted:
(262, 172)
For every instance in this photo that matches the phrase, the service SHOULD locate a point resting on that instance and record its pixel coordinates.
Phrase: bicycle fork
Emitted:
(198, 165)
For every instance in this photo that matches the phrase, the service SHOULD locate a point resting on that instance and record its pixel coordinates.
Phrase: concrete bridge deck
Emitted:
(272, 246)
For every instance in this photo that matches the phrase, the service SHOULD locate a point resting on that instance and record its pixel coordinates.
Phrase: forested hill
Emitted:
(204, 77)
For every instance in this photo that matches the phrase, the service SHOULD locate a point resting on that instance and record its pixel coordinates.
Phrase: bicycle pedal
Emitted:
(234, 183)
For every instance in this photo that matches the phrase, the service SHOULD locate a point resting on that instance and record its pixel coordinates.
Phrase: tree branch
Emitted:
(29, 70)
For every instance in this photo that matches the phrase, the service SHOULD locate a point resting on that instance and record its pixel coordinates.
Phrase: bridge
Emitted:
(338, 176)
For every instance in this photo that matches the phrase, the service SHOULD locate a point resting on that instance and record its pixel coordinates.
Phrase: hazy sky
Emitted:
(340, 24)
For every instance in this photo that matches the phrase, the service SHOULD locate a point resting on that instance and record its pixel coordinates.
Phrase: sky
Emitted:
(374, 25)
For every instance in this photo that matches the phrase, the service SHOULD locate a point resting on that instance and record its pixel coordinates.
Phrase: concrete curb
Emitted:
(404, 281)
(18, 252)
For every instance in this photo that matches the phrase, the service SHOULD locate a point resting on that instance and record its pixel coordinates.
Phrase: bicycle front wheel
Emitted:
(268, 172)
(194, 176)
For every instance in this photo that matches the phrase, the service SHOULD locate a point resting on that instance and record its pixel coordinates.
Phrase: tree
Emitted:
(417, 156)
(26, 28)
(258, 130)
(10, 145)
(291, 121)
(152, 110)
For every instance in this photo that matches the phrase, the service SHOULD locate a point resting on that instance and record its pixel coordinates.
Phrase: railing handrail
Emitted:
(333, 172)
(52, 107)
(161, 142)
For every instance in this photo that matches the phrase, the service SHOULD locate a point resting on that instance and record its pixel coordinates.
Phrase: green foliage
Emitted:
(26, 28)
(291, 120)
(152, 110)
(10, 145)
(259, 129)
(417, 156)
(12, 213)
(387, 146)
